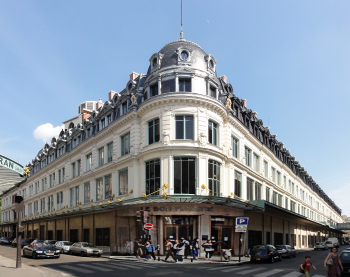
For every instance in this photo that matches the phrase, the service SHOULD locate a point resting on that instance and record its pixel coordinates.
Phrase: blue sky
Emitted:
(289, 59)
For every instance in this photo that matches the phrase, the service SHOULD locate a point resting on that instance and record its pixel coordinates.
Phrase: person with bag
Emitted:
(305, 267)
(208, 248)
(333, 262)
(180, 251)
(169, 250)
(150, 250)
(195, 248)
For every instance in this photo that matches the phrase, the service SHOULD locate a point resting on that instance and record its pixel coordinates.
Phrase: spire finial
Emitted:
(181, 33)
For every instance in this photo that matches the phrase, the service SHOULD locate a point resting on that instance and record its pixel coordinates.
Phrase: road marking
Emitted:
(130, 266)
(234, 268)
(319, 275)
(292, 274)
(112, 266)
(97, 267)
(250, 270)
(77, 269)
(271, 272)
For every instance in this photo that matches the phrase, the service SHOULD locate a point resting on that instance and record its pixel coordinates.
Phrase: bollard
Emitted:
(191, 259)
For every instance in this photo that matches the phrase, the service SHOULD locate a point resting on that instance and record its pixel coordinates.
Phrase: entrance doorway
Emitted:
(177, 227)
(73, 235)
(222, 238)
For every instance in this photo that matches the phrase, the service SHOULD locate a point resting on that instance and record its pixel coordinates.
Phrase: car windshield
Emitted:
(280, 247)
(52, 241)
(259, 249)
(67, 243)
(345, 257)
(319, 243)
(87, 245)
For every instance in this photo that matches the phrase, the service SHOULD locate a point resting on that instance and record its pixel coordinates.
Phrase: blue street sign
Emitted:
(242, 221)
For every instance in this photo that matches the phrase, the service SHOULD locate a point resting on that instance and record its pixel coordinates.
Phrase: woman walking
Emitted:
(150, 250)
(195, 248)
(333, 262)
(208, 248)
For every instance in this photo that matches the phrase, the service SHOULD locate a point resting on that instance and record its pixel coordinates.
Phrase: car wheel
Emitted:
(99, 255)
(281, 258)
(24, 253)
(61, 251)
(34, 256)
(83, 254)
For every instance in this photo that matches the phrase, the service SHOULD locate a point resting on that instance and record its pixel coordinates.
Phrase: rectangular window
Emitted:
(256, 162)
(125, 144)
(274, 198)
(154, 89)
(286, 203)
(42, 205)
(109, 151)
(238, 184)
(285, 182)
(292, 188)
(86, 192)
(266, 168)
(152, 176)
(50, 180)
(214, 176)
(74, 196)
(273, 173)
(184, 85)
(213, 132)
(278, 178)
(184, 175)
(108, 186)
(153, 131)
(63, 173)
(268, 194)
(103, 124)
(212, 91)
(109, 119)
(184, 127)
(59, 176)
(248, 153)
(78, 167)
(59, 200)
(168, 86)
(73, 170)
(124, 107)
(99, 189)
(123, 181)
(250, 189)
(88, 162)
(234, 143)
(42, 184)
(50, 203)
(258, 188)
(101, 157)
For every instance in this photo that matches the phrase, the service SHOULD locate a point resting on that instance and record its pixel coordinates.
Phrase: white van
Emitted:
(334, 241)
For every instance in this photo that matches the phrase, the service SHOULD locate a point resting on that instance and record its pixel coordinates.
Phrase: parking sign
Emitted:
(241, 224)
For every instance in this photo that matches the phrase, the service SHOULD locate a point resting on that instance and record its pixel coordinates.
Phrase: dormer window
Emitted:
(211, 64)
(184, 55)
(154, 62)
(130, 86)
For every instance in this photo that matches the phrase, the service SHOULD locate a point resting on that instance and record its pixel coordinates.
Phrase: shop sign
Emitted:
(11, 165)
(183, 209)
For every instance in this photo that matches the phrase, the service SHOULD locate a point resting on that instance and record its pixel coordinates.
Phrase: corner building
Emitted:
(177, 143)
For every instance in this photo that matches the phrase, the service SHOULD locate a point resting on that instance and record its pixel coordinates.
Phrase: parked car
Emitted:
(37, 241)
(334, 241)
(26, 242)
(286, 251)
(345, 260)
(40, 250)
(329, 243)
(14, 243)
(52, 242)
(63, 246)
(346, 242)
(5, 240)
(267, 253)
(320, 246)
(85, 249)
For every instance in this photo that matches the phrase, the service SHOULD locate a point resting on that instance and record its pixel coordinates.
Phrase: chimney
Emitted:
(224, 79)
(244, 102)
(133, 76)
(255, 114)
(99, 104)
(111, 95)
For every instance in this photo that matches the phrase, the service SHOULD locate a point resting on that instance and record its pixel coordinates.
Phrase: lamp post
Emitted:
(19, 204)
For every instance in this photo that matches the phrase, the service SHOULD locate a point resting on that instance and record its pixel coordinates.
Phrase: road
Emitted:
(68, 265)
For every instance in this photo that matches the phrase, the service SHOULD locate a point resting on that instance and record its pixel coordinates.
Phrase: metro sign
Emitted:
(148, 226)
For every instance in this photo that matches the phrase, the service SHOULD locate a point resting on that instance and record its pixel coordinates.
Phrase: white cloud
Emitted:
(46, 131)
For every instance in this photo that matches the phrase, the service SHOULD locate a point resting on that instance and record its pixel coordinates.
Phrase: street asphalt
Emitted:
(68, 265)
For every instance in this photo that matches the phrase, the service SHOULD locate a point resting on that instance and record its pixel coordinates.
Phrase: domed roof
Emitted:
(170, 56)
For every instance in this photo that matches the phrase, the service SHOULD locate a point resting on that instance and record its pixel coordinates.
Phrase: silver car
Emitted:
(320, 246)
(63, 246)
(85, 249)
(286, 251)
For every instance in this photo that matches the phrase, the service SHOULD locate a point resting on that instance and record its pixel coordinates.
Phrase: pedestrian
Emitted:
(169, 250)
(208, 248)
(306, 266)
(150, 250)
(138, 248)
(195, 248)
(333, 262)
(186, 243)
(180, 251)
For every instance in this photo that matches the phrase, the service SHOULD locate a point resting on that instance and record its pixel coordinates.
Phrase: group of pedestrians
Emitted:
(332, 263)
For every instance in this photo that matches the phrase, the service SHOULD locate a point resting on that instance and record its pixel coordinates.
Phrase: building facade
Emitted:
(177, 144)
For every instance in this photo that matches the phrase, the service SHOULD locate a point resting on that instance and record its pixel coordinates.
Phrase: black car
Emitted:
(40, 249)
(345, 260)
(266, 253)
(5, 240)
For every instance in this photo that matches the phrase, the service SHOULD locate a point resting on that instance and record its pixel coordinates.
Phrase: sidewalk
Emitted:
(8, 269)
(201, 260)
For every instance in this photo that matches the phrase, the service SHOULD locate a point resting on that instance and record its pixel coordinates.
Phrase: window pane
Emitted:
(177, 176)
(179, 127)
(189, 127)
(185, 177)
(99, 189)
(150, 132)
(123, 182)
(156, 130)
(168, 86)
(238, 182)
(192, 176)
